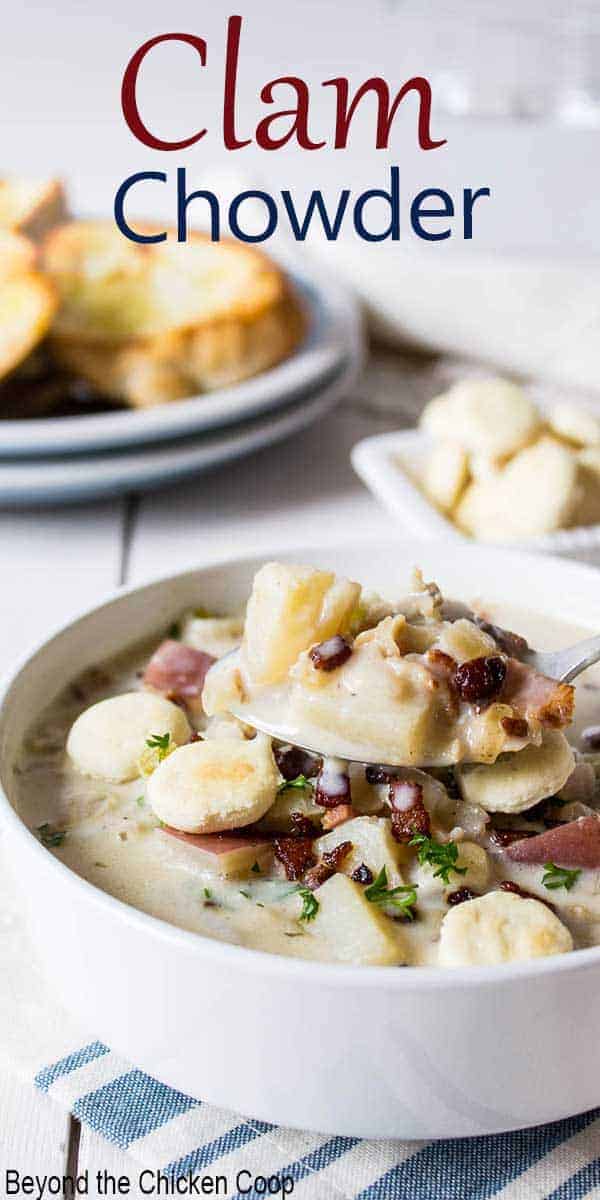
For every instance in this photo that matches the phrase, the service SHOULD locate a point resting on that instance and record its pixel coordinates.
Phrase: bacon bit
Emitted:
(329, 655)
(409, 815)
(196, 737)
(506, 837)
(296, 854)
(336, 816)
(570, 844)
(515, 726)
(333, 786)
(292, 762)
(302, 826)
(535, 695)
(460, 896)
(329, 864)
(507, 885)
(480, 678)
(362, 874)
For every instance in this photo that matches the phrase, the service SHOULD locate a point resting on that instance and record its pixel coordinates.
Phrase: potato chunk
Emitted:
(353, 929)
(289, 610)
(108, 740)
(500, 927)
(372, 844)
(212, 786)
(515, 782)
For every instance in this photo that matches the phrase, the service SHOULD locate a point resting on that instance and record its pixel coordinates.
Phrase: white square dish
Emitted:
(390, 463)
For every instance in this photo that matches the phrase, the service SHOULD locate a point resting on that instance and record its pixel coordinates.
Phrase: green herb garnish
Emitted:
(174, 631)
(255, 869)
(161, 742)
(207, 894)
(310, 904)
(140, 801)
(401, 898)
(441, 855)
(299, 782)
(246, 895)
(557, 877)
(50, 837)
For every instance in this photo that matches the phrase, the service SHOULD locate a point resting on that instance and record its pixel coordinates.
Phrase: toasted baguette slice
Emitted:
(31, 207)
(17, 254)
(159, 322)
(27, 306)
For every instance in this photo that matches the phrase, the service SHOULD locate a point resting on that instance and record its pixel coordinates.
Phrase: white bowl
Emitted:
(388, 463)
(362, 1051)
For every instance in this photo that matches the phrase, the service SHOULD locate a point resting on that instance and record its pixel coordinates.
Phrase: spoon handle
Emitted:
(565, 665)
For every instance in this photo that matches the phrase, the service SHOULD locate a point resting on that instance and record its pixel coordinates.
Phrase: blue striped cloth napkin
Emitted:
(166, 1131)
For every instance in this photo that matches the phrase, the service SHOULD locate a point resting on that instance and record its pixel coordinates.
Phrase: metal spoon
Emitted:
(562, 665)
(565, 665)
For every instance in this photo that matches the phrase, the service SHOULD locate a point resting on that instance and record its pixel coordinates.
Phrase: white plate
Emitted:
(386, 462)
(333, 334)
(364, 1051)
(85, 477)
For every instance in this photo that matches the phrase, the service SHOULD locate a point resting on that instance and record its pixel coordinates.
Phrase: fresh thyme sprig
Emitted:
(441, 855)
(403, 899)
(299, 782)
(310, 904)
(161, 742)
(557, 877)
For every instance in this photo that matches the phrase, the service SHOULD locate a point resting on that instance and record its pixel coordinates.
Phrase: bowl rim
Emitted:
(247, 958)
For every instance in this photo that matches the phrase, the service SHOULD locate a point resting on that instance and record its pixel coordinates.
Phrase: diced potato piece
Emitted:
(463, 640)
(213, 635)
(476, 877)
(290, 609)
(384, 703)
(226, 856)
(500, 927)
(493, 417)
(446, 474)
(372, 844)
(354, 930)
(575, 424)
(515, 782)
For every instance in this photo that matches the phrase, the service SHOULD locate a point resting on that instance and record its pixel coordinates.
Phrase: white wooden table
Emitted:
(55, 562)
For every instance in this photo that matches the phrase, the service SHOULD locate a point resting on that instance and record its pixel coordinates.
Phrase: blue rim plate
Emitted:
(333, 334)
(76, 479)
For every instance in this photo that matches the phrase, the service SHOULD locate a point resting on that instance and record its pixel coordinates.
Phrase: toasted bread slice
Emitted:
(31, 207)
(154, 323)
(17, 254)
(155, 371)
(27, 307)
